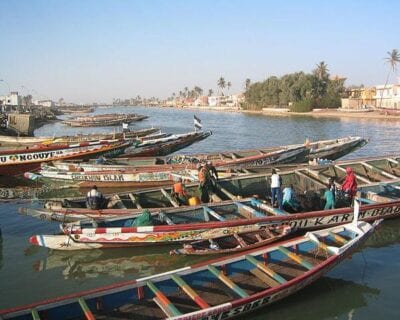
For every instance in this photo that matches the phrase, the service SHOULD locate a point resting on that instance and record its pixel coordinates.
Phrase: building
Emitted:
(388, 97)
(201, 101)
(360, 98)
(44, 103)
(13, 99)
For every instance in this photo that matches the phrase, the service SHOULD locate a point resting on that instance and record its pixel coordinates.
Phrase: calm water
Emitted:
(364, 287)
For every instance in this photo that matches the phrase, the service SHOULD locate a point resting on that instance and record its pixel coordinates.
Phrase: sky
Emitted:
(96, 50)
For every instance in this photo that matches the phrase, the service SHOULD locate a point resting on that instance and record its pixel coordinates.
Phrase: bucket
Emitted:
(194, 201)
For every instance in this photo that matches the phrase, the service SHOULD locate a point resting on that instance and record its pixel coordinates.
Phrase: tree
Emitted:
(221, 83)
(247, 84)
(229, 85)
(392, 59)
(321, 72)
(198, 90)
(210, 92)
(186, 91)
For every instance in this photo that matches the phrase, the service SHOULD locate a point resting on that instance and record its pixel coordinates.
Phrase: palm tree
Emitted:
(393, 59)
(247, 84)
(210, 92)
(221, 83)
(186, 92)
(321, 71)
(229, 85)
(198, 90)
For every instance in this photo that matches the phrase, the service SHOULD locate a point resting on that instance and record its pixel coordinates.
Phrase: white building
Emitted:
(388, 96)
(13, 99)
(44, 103)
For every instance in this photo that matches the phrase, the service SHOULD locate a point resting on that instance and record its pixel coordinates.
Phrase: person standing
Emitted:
(276, 182)
(329, 197)
(203, 177)
(349, 185)
(289, 198)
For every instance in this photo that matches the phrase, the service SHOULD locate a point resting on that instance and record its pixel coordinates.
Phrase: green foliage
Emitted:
(305, 105)
(304, 91)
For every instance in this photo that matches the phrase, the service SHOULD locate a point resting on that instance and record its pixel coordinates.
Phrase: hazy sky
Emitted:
(87, 51)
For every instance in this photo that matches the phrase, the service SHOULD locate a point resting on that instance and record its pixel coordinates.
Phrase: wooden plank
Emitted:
(365, 180)
(268, 208)
(295, 257)
(365, 200)
(338, 238)
(393, 161)
(278, 278)
(226, 192)
(135, 201)
(190, 292)
(252, 211)
(313, 179)
(215, 198)
(233, 156)
(264, 278)
(380, 171)
(241, 241)
(88, 314)
(228, 282)
(166, 305)
(35, 314)
(213, 213)
(172, 201)
(164, 309)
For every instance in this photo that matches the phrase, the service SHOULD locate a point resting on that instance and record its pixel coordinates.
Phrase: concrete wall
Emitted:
(22, 123)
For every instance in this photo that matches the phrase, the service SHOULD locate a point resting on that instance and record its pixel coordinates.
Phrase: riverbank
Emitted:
(317, 113)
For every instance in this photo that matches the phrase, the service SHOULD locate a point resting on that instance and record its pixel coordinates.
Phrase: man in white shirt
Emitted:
(276, 189)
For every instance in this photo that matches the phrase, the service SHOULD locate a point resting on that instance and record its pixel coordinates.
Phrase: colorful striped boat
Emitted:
(217, 289)
(18, 161)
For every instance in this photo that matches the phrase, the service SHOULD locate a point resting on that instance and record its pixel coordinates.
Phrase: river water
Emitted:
(364, 287)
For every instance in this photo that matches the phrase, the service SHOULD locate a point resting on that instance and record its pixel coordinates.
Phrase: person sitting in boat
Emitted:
(204, 182)
(289, 199)
(179, 192)
(329, 196)
(349, 186)
(94, 199)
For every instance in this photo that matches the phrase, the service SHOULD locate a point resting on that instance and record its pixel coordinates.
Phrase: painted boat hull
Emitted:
(226, 274)
(19, 161)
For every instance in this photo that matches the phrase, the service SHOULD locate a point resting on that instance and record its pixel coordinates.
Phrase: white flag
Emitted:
(125, 125)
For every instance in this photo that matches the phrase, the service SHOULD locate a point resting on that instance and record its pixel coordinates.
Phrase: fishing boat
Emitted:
(220, 289)
(166, 145)
(240, 159)
(308, 181)
(133, 178)
(102, 120)
(188, 224)
(234, 242)
(19, 160)
(9, 141)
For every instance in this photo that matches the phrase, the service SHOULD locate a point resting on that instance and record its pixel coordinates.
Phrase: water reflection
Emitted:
(328, 298)
(388, 234)
(111, 262)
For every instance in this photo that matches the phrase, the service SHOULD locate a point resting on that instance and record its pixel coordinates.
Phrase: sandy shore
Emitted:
(319, 113)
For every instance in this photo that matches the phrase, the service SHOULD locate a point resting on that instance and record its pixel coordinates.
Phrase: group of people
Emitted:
(287, 197)
(207, 176)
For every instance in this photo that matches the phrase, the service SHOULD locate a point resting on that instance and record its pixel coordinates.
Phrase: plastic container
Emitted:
(194, 201)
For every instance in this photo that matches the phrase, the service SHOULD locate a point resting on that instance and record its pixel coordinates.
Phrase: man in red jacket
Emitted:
(349, 186)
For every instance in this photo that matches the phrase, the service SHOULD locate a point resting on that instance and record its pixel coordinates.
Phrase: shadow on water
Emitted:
(328, 298)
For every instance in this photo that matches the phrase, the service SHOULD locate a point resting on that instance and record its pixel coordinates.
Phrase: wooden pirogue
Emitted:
(240, 159)
(221, 288)
(371, 174)
(102, 120)
(9, 141)
(20, 160)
